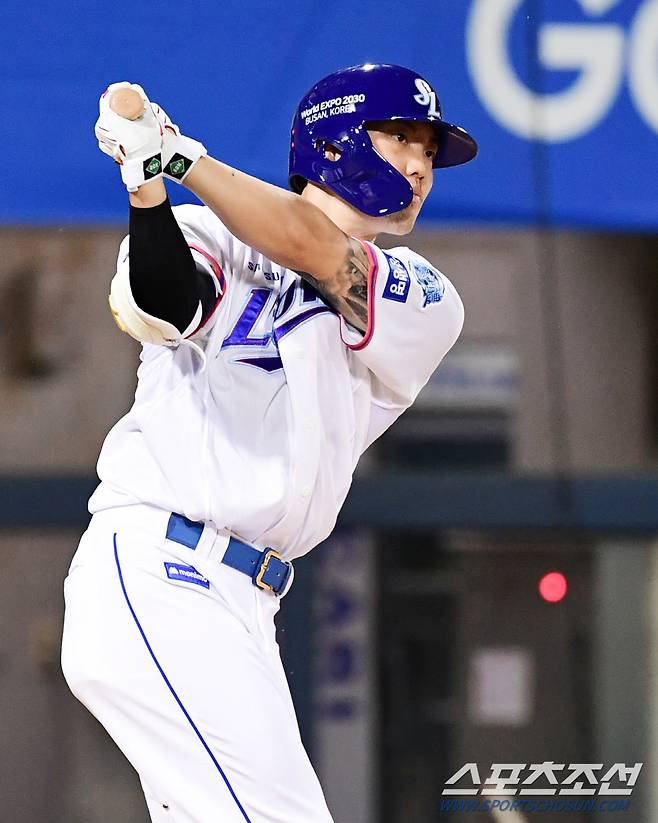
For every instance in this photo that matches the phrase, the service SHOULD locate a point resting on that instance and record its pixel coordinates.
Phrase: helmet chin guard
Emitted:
(336, 111)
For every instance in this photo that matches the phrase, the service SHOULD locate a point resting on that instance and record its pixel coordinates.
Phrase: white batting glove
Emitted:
(135, 144)
(179, 153)
(147, 145)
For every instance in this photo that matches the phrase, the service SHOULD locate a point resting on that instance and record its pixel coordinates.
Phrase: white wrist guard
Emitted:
(179, 153)
(135, 172)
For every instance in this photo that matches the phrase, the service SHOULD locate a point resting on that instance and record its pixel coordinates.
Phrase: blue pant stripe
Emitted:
(171, 688)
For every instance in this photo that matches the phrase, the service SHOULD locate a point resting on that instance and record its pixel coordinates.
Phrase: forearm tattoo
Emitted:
(347, 290)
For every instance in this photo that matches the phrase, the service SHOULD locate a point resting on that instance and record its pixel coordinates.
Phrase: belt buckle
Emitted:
(265, 562)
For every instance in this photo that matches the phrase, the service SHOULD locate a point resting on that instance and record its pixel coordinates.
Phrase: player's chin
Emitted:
(402, 222)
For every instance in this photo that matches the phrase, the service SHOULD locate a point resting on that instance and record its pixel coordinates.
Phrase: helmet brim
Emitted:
(456, 145)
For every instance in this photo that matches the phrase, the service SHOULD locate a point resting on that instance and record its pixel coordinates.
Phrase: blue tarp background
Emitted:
(230, 73)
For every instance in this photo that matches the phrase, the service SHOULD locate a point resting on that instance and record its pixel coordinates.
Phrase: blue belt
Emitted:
(266, 569)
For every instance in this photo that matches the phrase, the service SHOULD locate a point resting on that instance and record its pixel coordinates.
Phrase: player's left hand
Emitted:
(136, 144)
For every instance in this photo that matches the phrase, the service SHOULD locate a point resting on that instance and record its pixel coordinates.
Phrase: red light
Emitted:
(553, 587)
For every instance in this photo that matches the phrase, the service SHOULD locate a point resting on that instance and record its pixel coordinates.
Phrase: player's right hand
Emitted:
(135, 144)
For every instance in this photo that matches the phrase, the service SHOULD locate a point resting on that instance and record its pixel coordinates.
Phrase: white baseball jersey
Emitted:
(258, 428)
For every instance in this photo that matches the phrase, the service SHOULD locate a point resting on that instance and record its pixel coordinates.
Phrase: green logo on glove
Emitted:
(153, 166)
(177, 167)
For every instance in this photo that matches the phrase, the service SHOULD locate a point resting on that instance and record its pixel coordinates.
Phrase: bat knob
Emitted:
(127, 103)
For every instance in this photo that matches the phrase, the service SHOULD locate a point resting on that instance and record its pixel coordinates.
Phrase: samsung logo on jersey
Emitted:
(176, 571)
(397, 285)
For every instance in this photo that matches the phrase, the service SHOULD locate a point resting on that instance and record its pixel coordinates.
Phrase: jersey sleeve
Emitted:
(415, 315)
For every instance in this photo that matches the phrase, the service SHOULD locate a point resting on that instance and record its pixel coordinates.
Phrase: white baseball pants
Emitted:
(186, 677)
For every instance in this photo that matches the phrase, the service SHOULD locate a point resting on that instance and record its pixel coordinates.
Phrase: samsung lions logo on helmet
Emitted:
(430, 281)
(427, 97)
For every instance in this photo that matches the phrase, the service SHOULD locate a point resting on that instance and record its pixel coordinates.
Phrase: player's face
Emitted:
(410, 148)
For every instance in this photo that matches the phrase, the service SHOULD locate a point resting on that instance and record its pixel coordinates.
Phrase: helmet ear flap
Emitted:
(358, 173)
(328, 149)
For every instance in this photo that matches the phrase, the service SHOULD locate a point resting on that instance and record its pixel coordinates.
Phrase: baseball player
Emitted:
(279, 341)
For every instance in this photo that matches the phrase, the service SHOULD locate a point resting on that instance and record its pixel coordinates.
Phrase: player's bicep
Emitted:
(344, 281)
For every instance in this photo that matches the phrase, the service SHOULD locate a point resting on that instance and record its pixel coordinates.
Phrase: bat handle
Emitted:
(127, 103)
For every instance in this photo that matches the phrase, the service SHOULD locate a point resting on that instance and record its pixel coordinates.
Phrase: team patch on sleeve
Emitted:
(188, 574)
(430, 281)
(397, 285)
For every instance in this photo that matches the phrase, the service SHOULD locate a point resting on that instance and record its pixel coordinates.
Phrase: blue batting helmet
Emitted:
(336, 112)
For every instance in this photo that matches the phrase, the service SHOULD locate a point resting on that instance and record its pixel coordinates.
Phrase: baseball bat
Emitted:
(127, 103)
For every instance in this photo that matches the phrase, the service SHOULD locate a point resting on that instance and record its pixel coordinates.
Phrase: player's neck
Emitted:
(349, 220)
